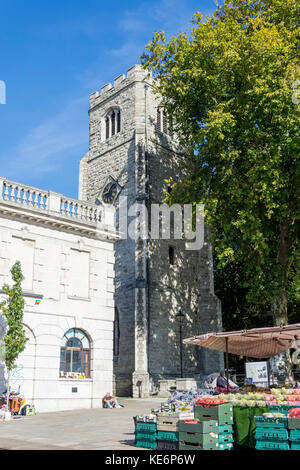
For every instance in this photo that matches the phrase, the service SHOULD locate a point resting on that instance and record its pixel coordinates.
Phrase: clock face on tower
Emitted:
(110, 192)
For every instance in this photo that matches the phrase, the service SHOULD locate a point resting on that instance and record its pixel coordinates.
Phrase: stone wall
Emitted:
(47, 243)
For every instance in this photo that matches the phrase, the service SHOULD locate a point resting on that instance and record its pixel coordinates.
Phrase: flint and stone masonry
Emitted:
(130, 144)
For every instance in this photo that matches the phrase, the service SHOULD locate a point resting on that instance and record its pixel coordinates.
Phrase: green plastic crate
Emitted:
(294, 423)
(226, 446)
(222, 413)
(141, 436)
(188, 438)
(277, 409)
(146, 444)
(295, 435)
(167, 445)
(295, 446)
(275, 434)
(145, 427)
(202, 427)
(226, 428)
(262, 421)
(167, 436)
(192, 446)
(272, 445)
(225, 438)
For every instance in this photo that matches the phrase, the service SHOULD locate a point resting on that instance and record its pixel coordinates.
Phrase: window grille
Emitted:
(158, 119)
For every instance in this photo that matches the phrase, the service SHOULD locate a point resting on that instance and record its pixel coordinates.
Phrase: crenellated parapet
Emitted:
(134, 74)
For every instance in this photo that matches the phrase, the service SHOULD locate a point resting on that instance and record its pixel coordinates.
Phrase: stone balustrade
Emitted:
(49, 202)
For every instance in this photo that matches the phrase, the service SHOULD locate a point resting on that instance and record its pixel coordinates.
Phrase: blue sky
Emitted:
(53, 54)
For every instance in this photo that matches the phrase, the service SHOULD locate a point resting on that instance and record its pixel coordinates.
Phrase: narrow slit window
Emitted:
(118, 121)
(113, 123)
(171, 255)
(107, 127)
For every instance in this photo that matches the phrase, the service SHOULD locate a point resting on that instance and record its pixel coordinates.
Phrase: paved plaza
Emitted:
(91, 429)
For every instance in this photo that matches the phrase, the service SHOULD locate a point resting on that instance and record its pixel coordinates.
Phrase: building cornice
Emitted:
(53, 210)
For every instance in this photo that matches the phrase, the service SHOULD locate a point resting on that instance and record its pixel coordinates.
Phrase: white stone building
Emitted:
(66, 251)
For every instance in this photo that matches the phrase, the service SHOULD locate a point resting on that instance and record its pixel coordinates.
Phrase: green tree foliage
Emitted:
(12, 309)
(229, 86)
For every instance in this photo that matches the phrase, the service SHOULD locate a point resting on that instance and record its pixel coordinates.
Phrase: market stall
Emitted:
(257, 343)
(255, 417)
(260, 343)
(267, 419)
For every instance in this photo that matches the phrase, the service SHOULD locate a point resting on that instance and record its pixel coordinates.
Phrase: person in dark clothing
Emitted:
(221, 381)
(221, 385)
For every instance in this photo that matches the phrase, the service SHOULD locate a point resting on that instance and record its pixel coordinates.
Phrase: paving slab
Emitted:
(84, 429)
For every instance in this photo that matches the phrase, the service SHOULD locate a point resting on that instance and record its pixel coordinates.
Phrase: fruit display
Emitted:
(274, 415)
(294, 413)
(276, 396)
(210, 401)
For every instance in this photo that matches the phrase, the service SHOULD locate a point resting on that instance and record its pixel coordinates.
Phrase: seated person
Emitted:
(110, 401)
(221, 384)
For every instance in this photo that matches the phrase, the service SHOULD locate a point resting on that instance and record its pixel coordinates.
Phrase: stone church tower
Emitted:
(131, 154)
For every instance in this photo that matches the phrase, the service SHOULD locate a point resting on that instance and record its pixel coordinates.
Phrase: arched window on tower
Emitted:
(165, 122)
(159, 119)
(75, 354)
(162, 121)
(112, 122)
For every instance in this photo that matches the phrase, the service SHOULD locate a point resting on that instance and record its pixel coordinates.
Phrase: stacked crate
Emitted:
(145, 433)
(198, 435)
(223, 414)
(271, 433)
(167, 431)
(294, 430)
(284, 409)
(166, 407)
(226, 437)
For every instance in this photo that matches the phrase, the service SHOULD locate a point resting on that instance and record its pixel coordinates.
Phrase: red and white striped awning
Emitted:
(258, 342)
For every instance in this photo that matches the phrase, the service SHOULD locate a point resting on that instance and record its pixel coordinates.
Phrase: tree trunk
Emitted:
(279, 305)
(8, 387)
(279, 310)
(281, 365)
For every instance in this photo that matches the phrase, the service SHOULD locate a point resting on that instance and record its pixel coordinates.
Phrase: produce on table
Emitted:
(277, 396)
(294, 413)
(209, 401)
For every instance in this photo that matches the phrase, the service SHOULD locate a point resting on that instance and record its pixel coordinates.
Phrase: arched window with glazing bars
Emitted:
(75, 355)
(112, 122)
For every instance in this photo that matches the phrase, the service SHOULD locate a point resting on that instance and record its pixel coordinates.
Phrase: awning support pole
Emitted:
(226, 362)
